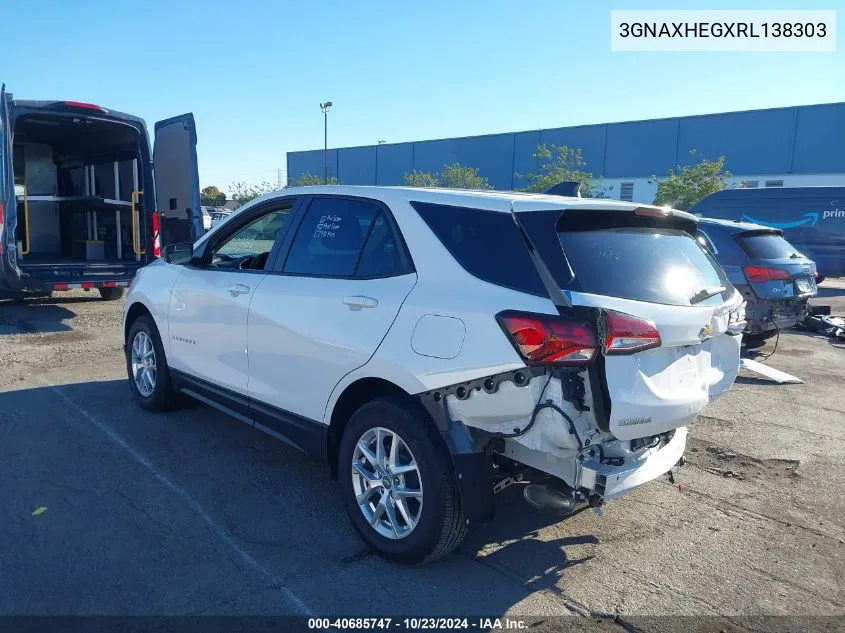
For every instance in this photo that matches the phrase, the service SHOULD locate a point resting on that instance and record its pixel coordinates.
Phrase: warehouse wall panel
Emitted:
(797, 140)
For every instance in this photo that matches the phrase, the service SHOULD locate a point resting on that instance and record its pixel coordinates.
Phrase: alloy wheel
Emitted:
(144, 364)
(387, 483)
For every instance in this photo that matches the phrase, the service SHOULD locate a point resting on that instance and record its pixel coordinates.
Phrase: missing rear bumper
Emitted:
(600, 475)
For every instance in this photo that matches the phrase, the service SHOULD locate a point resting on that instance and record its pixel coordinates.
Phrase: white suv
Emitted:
(429, 345)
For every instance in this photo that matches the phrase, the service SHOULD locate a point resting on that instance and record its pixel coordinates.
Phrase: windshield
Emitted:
(659, 265)
(768, 246)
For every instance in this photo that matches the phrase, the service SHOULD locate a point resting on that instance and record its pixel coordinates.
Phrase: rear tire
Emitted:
(146, 367)
(111, 294)
(438, 522)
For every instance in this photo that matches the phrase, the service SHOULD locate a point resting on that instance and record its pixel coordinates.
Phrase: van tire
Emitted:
(163, 396)
(111, 294)
(441, 525)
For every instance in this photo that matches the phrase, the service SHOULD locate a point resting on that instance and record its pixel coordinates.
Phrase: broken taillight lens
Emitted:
(541, 338)
(628, 334)
(759, 274)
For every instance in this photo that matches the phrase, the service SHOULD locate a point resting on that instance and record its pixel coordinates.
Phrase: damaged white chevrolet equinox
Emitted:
(432, 346)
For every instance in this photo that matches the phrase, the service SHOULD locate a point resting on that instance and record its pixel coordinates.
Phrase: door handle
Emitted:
(237, 289)
(357, 302)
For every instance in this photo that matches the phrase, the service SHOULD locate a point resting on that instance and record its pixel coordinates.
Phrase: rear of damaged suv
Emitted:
(593, 333)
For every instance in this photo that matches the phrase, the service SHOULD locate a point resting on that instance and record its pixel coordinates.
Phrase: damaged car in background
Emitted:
(776, 280)
(434, 346)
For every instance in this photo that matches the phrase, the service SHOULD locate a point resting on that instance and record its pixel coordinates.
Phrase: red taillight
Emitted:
(543, 338)
(758, 274)
(83, 106)
(628, 334)
(156, 236)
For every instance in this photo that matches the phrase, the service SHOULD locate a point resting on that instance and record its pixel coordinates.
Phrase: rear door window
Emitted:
(766, 246)
(330, 237)
(382, 255)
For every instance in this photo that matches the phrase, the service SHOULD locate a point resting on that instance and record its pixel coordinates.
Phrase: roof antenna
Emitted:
(555, 293)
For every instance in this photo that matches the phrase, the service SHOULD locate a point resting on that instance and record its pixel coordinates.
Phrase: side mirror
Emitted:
(181, 253)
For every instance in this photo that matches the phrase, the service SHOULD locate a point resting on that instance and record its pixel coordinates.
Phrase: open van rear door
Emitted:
(7, 188)
(177, 180)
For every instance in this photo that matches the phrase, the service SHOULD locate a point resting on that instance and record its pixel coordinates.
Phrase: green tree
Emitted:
(243, 192)
(307, 179)
(684, 188)
(452, 176)
(559, 163)
(455, 176)
(421, 179)
(212, 197)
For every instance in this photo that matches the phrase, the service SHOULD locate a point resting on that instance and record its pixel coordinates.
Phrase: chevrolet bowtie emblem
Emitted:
(706, 331)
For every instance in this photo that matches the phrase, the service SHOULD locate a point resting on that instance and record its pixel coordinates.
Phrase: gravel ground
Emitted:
(193, 513)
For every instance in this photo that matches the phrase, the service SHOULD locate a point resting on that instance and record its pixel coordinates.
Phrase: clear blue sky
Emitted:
(254, 71)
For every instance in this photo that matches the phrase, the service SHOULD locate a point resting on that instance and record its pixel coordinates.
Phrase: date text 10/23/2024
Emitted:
(418, 624)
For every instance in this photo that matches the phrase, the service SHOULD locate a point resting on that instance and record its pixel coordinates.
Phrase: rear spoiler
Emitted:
(761, 231)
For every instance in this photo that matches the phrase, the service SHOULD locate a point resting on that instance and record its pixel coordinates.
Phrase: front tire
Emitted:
(146, 367)
(398, 484)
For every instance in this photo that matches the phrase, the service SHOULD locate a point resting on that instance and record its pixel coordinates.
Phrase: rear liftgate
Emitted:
(564, 365)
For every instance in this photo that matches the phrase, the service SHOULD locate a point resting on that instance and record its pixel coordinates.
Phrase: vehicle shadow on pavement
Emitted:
(513, 544)
(34, 316)
(140, 504)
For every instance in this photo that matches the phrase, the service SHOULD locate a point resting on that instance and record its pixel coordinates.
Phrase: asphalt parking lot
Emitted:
(105, 509)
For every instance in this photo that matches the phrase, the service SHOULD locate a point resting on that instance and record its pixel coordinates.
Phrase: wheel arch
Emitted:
(468, 452)
(135, 310)
(353, 397)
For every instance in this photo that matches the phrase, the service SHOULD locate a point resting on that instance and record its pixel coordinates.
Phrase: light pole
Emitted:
(325, 107)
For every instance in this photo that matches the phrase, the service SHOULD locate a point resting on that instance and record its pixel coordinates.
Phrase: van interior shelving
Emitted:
(77, 189)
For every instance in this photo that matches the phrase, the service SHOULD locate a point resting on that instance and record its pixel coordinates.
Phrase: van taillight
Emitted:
(759, 274)
(541, 338)
(156, 236)
(628, 334)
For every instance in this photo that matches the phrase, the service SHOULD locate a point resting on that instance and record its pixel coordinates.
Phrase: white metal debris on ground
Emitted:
(780, 377)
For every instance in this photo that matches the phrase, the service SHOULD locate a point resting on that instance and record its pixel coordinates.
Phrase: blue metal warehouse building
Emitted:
(801, 145)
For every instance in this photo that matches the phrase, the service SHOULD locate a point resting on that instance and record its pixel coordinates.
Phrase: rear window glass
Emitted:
(658, 265)
(767, 246)
(646, 264)
(330, 237)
